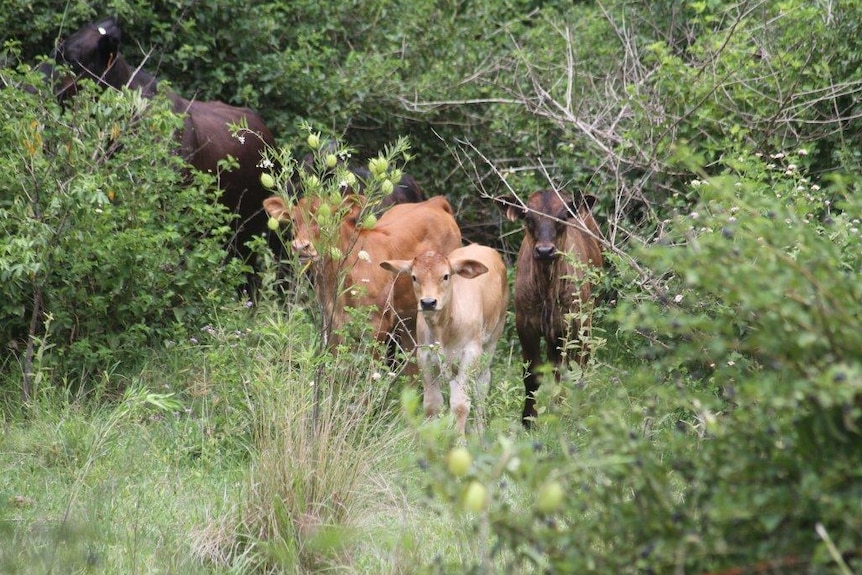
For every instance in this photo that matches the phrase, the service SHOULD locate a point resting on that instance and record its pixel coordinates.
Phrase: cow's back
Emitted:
(402, 232)
(406, 230)
(586, 252)
(483, 299)
(207, 140)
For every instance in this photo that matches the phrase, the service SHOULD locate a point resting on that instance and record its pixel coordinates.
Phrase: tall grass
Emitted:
(212, 460)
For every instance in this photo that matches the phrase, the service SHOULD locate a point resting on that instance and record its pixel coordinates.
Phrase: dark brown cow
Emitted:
(548, 287)
(206, 139)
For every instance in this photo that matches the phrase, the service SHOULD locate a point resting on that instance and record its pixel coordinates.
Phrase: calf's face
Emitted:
(545, 216)
(301, 218)
(432, 275)
(305, 219)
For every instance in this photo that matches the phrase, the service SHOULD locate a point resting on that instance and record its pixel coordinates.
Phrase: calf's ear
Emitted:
(397, 266)
(469, 268)
(274, 206)
(512, 207)
(583, 202)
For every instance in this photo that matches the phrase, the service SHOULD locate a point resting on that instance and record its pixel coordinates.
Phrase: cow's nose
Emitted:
(303, 248)
(428, 303)
(544, 252)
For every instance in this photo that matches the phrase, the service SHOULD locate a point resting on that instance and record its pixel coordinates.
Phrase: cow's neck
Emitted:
(120, 74)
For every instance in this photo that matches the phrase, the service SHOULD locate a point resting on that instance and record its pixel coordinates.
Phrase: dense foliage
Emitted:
(107, 247)
(718, 428)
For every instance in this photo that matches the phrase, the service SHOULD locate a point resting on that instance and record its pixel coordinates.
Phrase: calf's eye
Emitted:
(446, 277)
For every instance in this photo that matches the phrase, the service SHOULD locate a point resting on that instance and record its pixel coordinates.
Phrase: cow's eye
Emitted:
(445, 277)
(414, 278)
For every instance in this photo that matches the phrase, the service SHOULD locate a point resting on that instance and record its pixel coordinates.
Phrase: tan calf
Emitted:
(462, 302)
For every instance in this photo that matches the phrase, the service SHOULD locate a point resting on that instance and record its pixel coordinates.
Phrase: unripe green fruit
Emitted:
(324, 211)
(459, 461)
(272, 223)
(335, 252)
(369, 222)
(350, 178)
(313, 141)
(476, 497)
(378, 166)
(387, 186)
(267, 180)
(312, 182)
(550, 497)
(331, 161)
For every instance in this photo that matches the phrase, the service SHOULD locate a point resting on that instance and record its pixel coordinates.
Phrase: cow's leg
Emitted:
(531, 353)
(459, 386)
(429, 365)
(555, 355)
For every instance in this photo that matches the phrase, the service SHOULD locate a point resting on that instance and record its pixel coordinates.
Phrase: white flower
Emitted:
(802, 152)
(265, 163)
(376, 375)
(363, 255)
(677, 298)
(241, 139)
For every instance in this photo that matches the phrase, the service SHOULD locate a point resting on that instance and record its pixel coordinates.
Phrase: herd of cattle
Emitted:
(427, 292)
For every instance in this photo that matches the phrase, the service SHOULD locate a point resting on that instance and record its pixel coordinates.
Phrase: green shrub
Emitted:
(107, 245)
(732, 437)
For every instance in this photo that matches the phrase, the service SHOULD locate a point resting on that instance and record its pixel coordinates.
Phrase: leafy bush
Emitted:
(108, 246)
(733, 442)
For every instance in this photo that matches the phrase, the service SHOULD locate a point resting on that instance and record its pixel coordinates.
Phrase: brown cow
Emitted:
(401, 232)
(93, 52)
(552, 296)
(462, 301)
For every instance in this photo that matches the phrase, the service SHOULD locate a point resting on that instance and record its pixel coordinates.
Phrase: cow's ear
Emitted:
(469, 268)
(353, 204)
(397, 266)
(583, 202)
(109, 39)
(274, 206)
(511, 207)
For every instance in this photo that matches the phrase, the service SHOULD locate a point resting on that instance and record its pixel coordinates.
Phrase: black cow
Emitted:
(93, 52)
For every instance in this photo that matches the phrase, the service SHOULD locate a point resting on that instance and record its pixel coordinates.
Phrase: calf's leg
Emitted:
(429, 365)
(531, 353)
